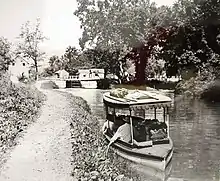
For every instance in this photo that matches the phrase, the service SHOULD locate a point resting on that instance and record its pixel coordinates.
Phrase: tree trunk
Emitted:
(36, 69)
(140, 66)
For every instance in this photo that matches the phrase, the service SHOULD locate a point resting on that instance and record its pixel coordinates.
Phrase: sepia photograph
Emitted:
(110, 90)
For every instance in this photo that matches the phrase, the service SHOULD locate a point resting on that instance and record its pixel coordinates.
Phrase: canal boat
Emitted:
(137, 126)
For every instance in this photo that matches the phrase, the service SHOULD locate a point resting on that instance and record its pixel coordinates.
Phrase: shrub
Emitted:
(88, 145)
(49, 85)
(199, 84)
(19, 105)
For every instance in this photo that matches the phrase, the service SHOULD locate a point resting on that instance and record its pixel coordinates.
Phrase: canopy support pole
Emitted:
(132, 134)
(164, 115)
(106, 109)
(168, 125)
(155, 113)
(143, 113)
(114, 115)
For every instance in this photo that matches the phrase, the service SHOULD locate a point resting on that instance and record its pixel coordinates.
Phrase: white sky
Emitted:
(57, 21)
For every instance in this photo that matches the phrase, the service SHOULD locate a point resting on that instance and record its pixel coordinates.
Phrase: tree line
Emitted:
(74, 59)
(117, 34)
(27, 48)
(184, 35)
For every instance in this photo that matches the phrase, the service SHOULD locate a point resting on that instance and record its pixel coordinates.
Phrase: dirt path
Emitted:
(44, 153)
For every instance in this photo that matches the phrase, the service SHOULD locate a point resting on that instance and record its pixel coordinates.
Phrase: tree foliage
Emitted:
(123, 26)
(113, 24)
(71, 59)
(5, 54)
(188, 32)
(104, 59)
(29, 46)
(194, 43)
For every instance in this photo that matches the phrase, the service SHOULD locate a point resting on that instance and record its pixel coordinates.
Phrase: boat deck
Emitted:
(159, 151)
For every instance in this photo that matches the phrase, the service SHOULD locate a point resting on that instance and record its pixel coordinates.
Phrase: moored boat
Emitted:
(137, 126)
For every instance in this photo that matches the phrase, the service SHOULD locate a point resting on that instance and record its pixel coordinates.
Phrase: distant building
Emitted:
(20, 67)
(62, 74)
(82, 74)
(91, 73)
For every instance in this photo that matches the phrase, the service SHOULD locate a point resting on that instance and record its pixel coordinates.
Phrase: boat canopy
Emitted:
(135, 99)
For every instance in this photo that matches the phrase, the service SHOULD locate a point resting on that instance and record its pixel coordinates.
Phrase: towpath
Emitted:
(44, 152)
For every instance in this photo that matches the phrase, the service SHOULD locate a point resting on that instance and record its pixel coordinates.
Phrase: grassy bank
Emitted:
(19, 106)
(204, 86)
(88, 145)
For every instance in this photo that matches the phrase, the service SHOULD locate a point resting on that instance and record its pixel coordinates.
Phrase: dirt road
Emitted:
(44, 152)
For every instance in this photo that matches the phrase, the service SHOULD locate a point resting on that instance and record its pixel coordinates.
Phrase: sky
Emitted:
(57, 21)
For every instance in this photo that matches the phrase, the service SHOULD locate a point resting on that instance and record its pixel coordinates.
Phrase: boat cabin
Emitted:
(146, 113)
(137, 126)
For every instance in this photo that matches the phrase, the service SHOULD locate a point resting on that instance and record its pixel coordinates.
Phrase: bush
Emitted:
(197, 85)
(19, 105)
(212, 92)
(88, 145)
(103, 84)
(49, 85)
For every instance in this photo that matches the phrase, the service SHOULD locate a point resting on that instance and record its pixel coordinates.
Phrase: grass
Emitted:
(89, 146)
(19, 106)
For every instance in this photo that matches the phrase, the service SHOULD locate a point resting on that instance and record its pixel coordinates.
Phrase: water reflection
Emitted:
(195, 131)
(149, 174)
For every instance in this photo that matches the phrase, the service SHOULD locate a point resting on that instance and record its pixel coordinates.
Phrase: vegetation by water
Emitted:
(184, 35)
(205, 86)
(182, 39)
(19, 106)
(89, 148)
(135, 42)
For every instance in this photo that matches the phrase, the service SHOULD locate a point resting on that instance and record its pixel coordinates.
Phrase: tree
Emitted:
(118, 25)
(5, 54)
(30, 39)
(55, 63)
(71, 59)
(193, 45)
(71, 53)
(104, 59)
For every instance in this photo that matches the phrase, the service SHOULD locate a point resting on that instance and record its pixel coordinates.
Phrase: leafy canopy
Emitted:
(5, 54)
(114, 24)
(194, 44)
(29, 46)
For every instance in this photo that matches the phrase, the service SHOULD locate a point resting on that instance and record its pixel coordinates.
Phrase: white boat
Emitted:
(147, 114)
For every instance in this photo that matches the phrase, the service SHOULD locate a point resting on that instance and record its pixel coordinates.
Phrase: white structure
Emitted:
(20, 67)
(62, 74)
(61, 84)
(91, 74)
(89, 84)
(87, 78)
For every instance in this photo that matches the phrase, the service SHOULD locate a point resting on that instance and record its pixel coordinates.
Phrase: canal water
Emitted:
(195, 131)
